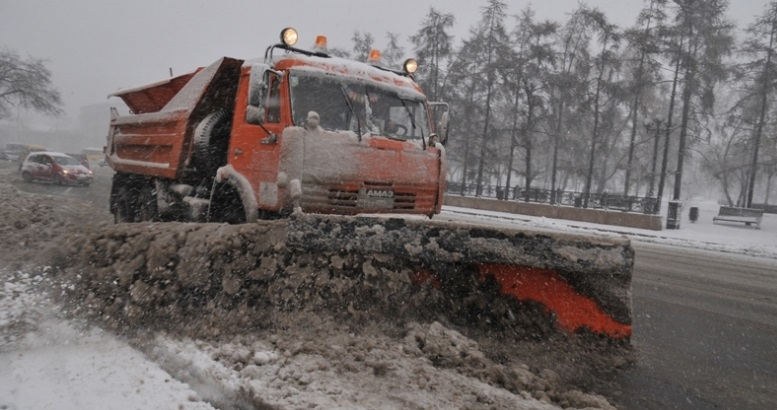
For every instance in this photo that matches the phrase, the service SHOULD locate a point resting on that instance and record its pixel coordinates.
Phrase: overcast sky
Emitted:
(95, 47)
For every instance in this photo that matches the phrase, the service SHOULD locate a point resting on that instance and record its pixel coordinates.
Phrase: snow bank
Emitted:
(50, 363)
(288, 358)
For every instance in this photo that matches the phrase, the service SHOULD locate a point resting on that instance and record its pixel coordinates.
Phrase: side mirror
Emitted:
(440, 113)
(443, 127)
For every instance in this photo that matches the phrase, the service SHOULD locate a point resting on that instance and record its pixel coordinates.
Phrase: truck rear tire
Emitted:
(147, 209)
(123, 207)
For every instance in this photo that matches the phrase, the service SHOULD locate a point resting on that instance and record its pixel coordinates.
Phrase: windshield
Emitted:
(343, 104)
(66, 161)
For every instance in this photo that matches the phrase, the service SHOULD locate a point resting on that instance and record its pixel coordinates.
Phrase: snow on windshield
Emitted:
(345, 104)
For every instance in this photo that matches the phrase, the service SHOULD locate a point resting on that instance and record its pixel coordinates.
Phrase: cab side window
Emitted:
(263, 97)
(274, 99)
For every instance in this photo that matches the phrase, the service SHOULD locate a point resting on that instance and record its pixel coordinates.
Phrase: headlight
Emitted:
(410, 66)
(289, 36)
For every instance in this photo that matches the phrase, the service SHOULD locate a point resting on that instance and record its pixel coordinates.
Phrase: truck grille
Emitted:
(404, 201)
(339, 197)
(372, 196)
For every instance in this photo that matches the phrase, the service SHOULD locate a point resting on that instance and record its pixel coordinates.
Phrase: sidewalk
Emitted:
(703, 234)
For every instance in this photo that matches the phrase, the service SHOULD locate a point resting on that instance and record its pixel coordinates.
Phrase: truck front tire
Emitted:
(226, 205)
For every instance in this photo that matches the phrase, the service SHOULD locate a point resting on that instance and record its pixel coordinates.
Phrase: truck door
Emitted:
(256, 132)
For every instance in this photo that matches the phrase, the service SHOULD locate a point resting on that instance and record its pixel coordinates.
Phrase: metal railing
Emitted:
(645, 205)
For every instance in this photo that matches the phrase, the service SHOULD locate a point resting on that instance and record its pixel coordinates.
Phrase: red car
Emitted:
(55, 167)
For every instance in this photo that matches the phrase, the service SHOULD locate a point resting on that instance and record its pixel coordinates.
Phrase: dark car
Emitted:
(56, 168)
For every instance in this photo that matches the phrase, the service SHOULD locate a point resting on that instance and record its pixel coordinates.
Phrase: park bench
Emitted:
(748, 216)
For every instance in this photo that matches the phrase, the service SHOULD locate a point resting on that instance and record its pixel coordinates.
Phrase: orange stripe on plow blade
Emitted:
(573, 311)
(424, 276)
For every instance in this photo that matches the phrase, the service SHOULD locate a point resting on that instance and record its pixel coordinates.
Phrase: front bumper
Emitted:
(337, 173)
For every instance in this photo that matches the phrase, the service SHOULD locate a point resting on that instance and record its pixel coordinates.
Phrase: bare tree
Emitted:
(525, 75)
(708, 39)
(643, 40)
(433, 45)
(362, 45)
(487, 46)
(567, 85)
(725, 158)
(609, 38)
(26, 83)
(763, 51)
(392, 54)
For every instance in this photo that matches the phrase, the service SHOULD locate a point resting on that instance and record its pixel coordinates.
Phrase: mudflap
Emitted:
(357, 269)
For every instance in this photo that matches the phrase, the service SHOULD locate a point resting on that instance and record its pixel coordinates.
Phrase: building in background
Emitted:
(61, 133)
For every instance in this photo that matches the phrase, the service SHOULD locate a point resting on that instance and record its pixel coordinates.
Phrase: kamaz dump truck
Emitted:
(240, 139)
(284, 153)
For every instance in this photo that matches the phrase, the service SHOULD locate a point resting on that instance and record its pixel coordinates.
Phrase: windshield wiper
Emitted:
(412, 121)
(353, 112)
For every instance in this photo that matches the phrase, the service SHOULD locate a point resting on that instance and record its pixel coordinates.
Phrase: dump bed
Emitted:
(153, 97)
(156, 139)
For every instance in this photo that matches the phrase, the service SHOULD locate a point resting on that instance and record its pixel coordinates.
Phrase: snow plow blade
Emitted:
(356, 268)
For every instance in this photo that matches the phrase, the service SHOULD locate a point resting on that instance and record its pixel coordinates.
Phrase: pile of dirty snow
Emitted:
(51, 357)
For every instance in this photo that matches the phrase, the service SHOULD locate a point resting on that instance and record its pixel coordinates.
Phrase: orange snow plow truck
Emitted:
(241, 139)
(297, 147)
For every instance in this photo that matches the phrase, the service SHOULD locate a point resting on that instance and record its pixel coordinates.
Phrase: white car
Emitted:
(56, 168)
